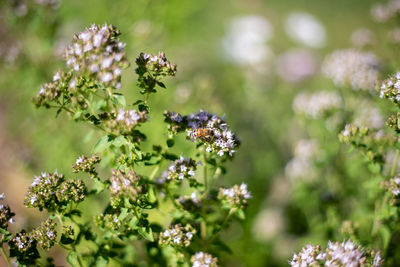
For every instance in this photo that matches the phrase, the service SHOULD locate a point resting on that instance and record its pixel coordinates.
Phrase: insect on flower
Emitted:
(204, 133)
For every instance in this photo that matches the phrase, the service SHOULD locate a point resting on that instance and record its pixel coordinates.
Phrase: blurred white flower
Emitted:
(268, 224)
(245, 41)
(350, 67)
(183, 92)
(305, 153)
(305, 29)
(296, 65)
(367, 114)
(362, 37)
(315, 105)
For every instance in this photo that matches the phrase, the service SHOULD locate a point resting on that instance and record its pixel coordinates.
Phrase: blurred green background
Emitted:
(239, 80)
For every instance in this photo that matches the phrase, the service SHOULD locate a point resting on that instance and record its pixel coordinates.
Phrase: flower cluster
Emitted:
(352, 132)
(353, 68)
(206, 128)
(126, 121)
(181, 168)
(384, 12)
(71, 190)
(52, 191)
(52, 90)
(108, 222)
(308, 256)
(318, 104)
(150, 68)
(6, 215)
(23, 242)
(191, 202)
(393, 186)
(390, 88)
(300, 166)
(336, 254)
(177, 235)
(394, 122)
(45, 235)
(85, 164)
(97, 52)
(202, 259)
(124, 183)
(235, 196)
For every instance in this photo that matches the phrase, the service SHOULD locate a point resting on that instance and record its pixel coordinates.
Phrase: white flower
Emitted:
(305, 29)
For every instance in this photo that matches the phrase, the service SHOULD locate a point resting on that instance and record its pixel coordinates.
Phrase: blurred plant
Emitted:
(88, 91)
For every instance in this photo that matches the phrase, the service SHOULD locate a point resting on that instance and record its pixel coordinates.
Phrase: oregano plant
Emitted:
(132, 181)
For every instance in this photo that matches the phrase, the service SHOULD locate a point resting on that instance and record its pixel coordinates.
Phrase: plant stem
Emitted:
(228, 216)
(154, 172)
(394, 165)
(5, 255)
(205, 173)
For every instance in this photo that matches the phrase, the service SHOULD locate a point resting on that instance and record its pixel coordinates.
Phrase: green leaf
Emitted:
(77, 115)
(120, 141)
(170, 156)
(72, 259)
(137, 102)
(119, 100)
(98, 186)
(222, 246)
(146, 233)
(170, 142)
(384, 232)
(161, 84)
(102, 144)
(240, 214)
(88, 136)
(123, 214)
(101, 262)
(100, 105)
(66, 240)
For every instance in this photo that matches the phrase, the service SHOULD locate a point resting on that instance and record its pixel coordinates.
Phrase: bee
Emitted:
(205, 134)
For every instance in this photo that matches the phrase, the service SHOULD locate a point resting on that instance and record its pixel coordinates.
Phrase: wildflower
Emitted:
(45, 235)
(23, 242)
(206, 128)
(84, 164)
(235, 196)
(150, 68)
(124, 183)
(177, 235)
(352, 133)
(362, 37)
(203, 259)
(297, 65)
(390, 88)
(125, 121)
(5, 216)
(98, 53)
(109, 222)
(336, 254)
(316, 105)
(308, 256)
(51, 91)
(182, 168)
(245, 41)
(191, 202)
(71, 190)
(300, 166)
(305, 29)
(353, 68)
(384, 12)
(52, 191)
